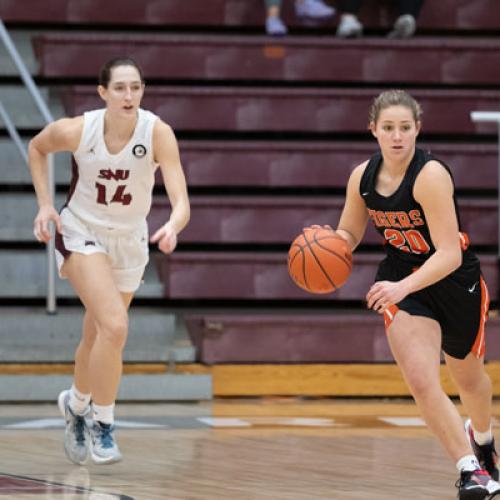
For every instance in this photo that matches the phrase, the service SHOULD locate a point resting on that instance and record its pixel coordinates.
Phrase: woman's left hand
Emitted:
(383, 294)
(166, 237)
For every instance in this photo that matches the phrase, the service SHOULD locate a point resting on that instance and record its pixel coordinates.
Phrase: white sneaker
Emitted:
(76, 434)
(404, 27)
(313, 9)
(275, 26)
(349, 26)
(104, 449)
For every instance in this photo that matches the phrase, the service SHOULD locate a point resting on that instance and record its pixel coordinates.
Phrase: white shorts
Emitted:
(128, 251)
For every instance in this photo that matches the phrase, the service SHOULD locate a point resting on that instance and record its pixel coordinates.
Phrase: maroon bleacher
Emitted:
(210, 69)
(208, 57)
(445, 14)
(291, 164)
(279, 219)
(289, 337)
(262, 109)
(250, 275)
(298, 337)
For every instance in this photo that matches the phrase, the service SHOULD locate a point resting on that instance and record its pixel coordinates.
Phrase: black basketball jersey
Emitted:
(399, 218)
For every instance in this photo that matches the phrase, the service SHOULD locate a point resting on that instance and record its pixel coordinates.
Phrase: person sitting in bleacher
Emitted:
(312, 9)
(404, 26)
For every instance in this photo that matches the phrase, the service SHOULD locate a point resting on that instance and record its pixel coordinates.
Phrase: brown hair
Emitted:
(105, 72)
(394, 98)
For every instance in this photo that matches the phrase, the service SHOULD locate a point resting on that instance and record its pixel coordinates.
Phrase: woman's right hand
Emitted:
(41, 228)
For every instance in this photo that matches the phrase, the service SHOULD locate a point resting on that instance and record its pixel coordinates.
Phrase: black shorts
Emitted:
(459, 303)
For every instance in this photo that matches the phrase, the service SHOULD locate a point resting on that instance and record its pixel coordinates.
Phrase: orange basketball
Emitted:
(319, 260)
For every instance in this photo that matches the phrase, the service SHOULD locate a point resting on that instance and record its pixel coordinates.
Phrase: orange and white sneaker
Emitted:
(485, 453)
(477, 485)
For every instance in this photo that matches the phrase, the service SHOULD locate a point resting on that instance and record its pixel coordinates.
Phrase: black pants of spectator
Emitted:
(412, 7)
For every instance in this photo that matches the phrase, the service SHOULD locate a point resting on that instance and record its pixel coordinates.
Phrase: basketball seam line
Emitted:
(318, 262)
(326, 249)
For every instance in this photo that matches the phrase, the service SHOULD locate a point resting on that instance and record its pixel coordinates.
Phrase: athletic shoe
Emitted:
(275, 26)
(486, 453)
(104, 450)
(313, 9)
(76, 435)
(476, 485)
(404, 27)
(349, 27)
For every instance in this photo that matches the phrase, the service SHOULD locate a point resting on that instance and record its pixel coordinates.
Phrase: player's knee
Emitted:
(420, 385)
(114, 330)
(89, 336)
(474, 384)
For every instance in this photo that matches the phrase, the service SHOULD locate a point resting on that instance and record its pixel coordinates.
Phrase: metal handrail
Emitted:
(47, 116)
(11, 129)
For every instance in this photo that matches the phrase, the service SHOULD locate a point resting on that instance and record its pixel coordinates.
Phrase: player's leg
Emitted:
(104, 304)
(416, 344)
(89, 333)
(92, 279)
(475, 390)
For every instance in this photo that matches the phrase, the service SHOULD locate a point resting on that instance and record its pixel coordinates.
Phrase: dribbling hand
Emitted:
(41, 226)
(166, 237)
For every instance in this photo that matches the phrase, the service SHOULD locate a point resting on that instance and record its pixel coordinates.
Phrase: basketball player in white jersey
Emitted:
(102, 237)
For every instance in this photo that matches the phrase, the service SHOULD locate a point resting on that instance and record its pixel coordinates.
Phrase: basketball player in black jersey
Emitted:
(429, 286)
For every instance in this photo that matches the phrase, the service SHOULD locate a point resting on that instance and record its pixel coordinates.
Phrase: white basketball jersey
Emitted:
(113, 191)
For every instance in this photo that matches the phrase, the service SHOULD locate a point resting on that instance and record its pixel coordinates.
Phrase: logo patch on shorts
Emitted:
(139, 150)
(89, 243)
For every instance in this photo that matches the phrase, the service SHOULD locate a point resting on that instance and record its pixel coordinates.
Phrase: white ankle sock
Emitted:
(104, 414)
(469, 462)
(482, 437)
(78, 401)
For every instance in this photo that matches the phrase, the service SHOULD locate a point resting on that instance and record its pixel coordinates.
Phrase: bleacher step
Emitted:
(462, 60)
(279, 163)
(446, 14)
(29, 334)
(23, 44)
(23, 274)
(22, 109)
(13, 170)
(157, 387)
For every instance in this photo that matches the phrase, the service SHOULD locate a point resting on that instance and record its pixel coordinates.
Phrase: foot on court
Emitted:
(486, 454)
(104, 450)
(476, 485)
(76, 435)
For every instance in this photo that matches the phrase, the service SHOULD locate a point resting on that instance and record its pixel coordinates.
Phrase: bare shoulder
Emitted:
(67, 132)
(433, 180)
(162, 131)
(358, 171)
(61, 135)
(69, 126)
(165, 148)
(432, 173)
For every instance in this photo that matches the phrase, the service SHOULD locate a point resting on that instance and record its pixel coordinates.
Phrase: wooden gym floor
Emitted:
(250, 449)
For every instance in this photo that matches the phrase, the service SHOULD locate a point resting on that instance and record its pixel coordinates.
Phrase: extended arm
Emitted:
(352, 224)
(166, 154)
(61, 135)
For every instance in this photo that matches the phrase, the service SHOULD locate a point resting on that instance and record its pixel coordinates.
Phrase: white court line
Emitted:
(404, 421)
